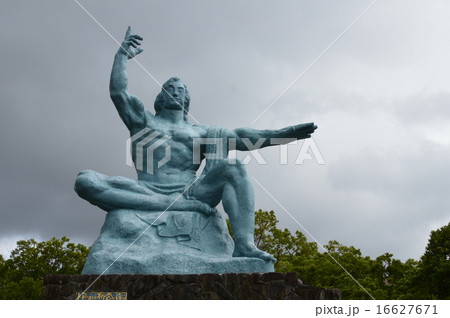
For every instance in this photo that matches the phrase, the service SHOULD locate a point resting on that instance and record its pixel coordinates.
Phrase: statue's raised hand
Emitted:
(129, 46)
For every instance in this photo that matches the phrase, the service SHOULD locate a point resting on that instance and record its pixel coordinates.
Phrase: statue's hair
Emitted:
(160, 99)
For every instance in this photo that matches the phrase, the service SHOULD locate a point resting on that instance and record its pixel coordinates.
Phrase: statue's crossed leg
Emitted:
(224, 182)
(112, 193)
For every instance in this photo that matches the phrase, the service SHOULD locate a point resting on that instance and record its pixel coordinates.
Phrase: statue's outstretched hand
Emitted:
(302, 131)
(129, 46)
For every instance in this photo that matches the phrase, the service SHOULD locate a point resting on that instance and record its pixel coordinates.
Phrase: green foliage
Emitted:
(293, 252)
(384, 277)
(21, 276)
(337, 264)
(434, 270)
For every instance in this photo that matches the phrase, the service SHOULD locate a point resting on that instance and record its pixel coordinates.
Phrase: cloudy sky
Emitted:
(380, 96)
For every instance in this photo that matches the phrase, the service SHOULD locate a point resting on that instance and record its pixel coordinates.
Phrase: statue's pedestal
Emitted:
(202, 286)
(174, 242)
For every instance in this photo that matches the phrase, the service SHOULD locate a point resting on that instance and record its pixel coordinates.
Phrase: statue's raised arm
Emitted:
(130, 108)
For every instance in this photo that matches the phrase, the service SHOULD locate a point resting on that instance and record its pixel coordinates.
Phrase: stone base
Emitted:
(173, 263)
(202, 286)
(174, 242)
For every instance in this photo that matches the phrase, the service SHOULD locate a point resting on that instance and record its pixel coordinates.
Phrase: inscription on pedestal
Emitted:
(102, 296)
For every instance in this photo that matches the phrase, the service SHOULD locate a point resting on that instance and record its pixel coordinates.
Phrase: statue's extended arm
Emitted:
(252, 138)
(130, 108)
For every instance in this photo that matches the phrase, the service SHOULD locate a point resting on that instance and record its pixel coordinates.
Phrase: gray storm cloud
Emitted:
(379, 96)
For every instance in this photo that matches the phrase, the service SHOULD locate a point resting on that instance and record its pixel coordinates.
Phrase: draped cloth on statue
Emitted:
(186, 228)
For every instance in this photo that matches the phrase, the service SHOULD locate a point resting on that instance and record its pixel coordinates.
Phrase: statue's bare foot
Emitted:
(194, 205)
(246, 249)
(204, 208)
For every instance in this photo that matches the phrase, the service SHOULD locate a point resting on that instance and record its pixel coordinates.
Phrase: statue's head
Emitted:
(174, 93)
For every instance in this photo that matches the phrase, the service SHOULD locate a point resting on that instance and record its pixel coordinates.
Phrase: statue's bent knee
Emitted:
(235, 169)
(87, 183)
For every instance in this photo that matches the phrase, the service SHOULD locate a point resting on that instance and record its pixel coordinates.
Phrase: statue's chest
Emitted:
(177, 134)
(184, 135)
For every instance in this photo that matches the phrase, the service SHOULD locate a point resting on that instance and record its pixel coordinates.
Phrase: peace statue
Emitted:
(166, 221)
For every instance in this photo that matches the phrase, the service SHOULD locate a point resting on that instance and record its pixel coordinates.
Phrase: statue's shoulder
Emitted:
(202, 130)
(151, 120)
(212, 131)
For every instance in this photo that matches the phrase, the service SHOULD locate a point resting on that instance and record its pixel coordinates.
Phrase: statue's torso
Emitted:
(180, 169)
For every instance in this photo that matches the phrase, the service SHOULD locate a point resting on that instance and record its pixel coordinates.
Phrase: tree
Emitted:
(332, 269)
(434, 270)
(23, 274)
(265, 225)
(394, 278)
(293, 252)
(384, 278)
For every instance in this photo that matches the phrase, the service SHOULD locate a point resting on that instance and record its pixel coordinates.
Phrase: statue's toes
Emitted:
(269, 258)
(207, 209)
(265, 256)
(210, 211)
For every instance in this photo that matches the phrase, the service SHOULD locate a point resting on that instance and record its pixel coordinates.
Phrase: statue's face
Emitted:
(174, 95)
